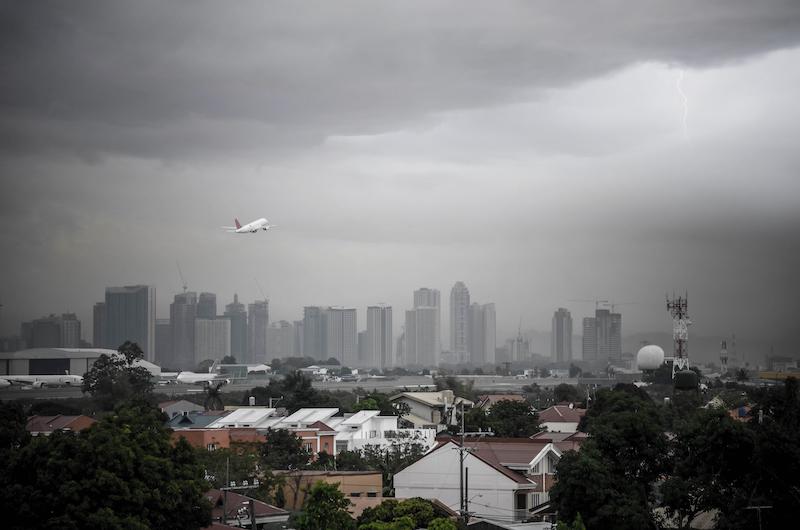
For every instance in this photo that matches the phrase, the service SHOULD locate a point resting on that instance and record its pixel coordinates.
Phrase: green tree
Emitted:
(213, 398)
(351, 461)
(284, 450)
(389, 460)
(325, 507)
(117, 378)
(443, 523)
(577, 524)
(12, 427)
(408, 513)
(123, 472)
(513, 419)
(228, 359)
(565, 392)
(611, 480)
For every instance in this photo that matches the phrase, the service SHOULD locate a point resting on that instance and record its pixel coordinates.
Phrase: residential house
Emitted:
(561, 418)
(46, 425)
(431, 410)
(505, 477)
(354, 484)
(235, 510)
(180, 406)
(486, 401)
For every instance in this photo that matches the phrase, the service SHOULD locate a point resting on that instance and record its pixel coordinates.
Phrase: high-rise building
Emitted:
(182, 316)
(589, 339)
(45, 332)
(298, 338)
(99, 325)
(131, 316)
(427, 336)
(257, 323)
(602, 319)
(70, 331)
(362, 348)
(519, 349)
(615, 338)
(212, 339)
(459, 321)
(341, 334)
(422, 338)
(314, 335)
(207, 306)
(280, 340)
(482, 334)
(379, 337)
(164, 343)
(561, 339)
(237, 314)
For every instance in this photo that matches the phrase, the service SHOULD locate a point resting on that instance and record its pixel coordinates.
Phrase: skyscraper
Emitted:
(459, 321)
(257, 323)
(615, 338)
(46, 332)
(379, 337)
(424, 340)
(602, 318)
(182, 314)
(313, 332)
(589, 339)
(280, 340)
(207, 306)
(99, 325)
(482, 334)
(70, 331)
(341, 334)
(164, 343)
(212, 339)
(236, 313)
(298, 338)
(131, 316)
(561, 339)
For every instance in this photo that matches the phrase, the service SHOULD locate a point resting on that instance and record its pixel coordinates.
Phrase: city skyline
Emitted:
(403, 146)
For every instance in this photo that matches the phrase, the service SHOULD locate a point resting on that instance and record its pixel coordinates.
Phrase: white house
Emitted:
(354, 431)
(505, 477)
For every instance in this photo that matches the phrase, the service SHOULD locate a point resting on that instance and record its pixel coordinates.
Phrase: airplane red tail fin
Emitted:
(238, 224)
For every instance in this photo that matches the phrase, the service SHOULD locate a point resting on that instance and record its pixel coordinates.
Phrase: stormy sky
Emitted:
(536, 151)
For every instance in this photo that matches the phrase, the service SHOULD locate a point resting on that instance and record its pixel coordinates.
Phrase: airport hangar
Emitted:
(57, 361)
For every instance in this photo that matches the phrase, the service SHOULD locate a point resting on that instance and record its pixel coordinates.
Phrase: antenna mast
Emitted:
(678, 308)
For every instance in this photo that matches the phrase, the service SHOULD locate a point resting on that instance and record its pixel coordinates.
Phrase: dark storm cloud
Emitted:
(190, 78)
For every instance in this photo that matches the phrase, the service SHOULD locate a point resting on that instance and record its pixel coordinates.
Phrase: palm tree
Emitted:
(213, 399)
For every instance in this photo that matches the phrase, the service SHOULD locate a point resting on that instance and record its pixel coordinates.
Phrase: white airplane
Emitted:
(252, 227)
(192, 378)
(41, 381)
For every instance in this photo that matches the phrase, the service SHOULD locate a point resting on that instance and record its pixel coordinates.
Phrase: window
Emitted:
(372, 494)
(521, 501)
(308, 446)
(355, 494)
(211, 447)
(325, 446)
(373, 434)
(341, 446)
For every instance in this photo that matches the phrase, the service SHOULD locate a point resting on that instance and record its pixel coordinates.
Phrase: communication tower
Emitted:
(723, 357)
(678, 308)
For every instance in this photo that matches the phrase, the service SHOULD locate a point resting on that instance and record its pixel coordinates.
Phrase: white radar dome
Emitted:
(650, 357)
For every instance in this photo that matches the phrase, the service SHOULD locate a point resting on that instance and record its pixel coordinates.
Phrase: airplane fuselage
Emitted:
(253, 227)
(41, 380)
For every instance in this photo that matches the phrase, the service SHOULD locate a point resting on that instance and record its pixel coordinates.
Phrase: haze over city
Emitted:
(536, 152)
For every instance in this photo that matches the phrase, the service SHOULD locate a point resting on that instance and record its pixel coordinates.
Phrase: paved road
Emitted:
(415, 382)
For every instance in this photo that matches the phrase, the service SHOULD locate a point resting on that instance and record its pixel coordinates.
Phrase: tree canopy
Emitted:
(113, 379)
(325, 507)
(123, 472)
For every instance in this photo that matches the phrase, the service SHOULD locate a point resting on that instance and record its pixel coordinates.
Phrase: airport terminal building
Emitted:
(56, 361)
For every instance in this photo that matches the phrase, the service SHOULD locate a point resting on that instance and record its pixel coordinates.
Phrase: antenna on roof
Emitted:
(180, 273)
(261, 289)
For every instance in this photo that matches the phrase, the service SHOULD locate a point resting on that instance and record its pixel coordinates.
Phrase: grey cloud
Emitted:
(135, 78)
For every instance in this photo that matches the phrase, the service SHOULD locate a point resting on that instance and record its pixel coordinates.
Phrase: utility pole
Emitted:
(463, 483)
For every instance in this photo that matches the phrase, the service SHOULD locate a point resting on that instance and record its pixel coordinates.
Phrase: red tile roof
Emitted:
(236, 501)
(48, 424)
(502, 452)
(561, 413)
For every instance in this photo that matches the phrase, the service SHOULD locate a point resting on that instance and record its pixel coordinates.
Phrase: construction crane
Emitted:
(596, 301)
(183, 280)
(261, 290)
(612, 305)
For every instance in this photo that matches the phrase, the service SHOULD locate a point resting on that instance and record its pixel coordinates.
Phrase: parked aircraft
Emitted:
(252, 227)
(39, 381)
(192, 378)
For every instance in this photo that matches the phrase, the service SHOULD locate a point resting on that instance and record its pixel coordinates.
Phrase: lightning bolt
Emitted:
(685, 105)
